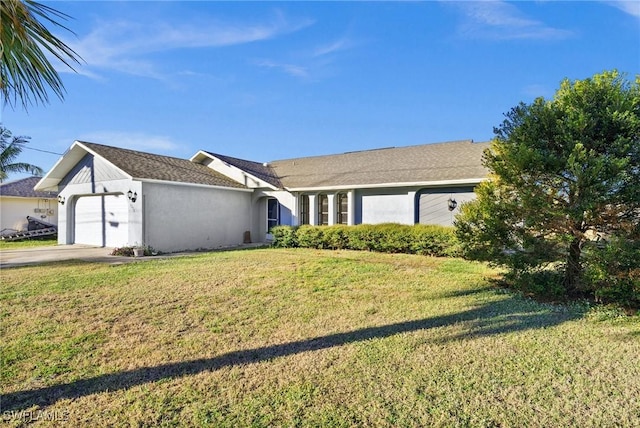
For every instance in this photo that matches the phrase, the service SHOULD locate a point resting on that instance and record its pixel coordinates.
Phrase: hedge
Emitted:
(421, 239)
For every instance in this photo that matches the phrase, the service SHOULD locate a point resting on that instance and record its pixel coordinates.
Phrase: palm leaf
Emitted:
(10, 149)
(26, 73)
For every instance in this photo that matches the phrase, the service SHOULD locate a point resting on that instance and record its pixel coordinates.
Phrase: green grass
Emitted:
(306, 338)
(28, 243)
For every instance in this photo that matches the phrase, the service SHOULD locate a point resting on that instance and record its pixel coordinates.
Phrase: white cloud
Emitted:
(629, 7)
(290, 69)
(338, 45)
(500, 20)
(132, 140)
(124, 46)
(310, 64)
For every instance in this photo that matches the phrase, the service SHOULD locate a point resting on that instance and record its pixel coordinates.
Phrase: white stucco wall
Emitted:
(14, 211)
(387, 209)
(187, 217)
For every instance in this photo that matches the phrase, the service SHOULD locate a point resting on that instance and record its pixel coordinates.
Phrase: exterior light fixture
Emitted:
(452, 204)
(133, 196)
(61, 200)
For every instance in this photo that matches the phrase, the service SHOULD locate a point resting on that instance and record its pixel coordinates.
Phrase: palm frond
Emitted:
(10, 149)
(26, 73)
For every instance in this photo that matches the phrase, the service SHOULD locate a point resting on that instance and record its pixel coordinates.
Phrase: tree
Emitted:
(562, 171)
(10, 149)
(25, 70)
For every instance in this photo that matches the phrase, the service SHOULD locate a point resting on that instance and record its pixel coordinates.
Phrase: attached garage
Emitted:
(101, 220)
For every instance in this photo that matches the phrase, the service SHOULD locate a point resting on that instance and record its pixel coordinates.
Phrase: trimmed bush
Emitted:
(310, 236)
(335, 237)
(433, 240)
(284, 237)
(429, 240)
(362, 238)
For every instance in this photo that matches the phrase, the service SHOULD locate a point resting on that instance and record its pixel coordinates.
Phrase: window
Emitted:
(342, 207)
(323, 210)
(304, 209)
(273, 214)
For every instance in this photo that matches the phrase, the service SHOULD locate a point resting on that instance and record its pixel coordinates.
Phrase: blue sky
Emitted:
(275, 80)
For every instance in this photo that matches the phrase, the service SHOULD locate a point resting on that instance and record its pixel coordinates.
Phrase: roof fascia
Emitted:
(179, 183)
(27, 197)
(234, 171)
(438, 183)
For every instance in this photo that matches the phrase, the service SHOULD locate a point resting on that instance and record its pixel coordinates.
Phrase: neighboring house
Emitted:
(18, 200)
(112, 197)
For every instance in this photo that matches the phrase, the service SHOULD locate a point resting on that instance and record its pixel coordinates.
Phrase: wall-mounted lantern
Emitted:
(61, 200)
(452, 204)
(133, 196)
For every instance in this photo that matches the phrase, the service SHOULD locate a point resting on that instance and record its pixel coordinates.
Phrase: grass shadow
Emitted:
(505, 316)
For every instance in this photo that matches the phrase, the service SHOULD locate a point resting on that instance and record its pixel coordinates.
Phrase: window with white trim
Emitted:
(342, 208)
(323, 209)
(304, 209)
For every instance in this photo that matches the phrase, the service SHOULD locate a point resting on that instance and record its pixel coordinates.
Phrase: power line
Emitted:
(44, 151)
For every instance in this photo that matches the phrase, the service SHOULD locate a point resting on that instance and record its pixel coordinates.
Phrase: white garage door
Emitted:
(102, 220)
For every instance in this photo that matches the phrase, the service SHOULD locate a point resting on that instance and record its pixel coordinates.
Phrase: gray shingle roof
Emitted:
(143, 165)
(258, 170)
(458, 160)
(23, 188)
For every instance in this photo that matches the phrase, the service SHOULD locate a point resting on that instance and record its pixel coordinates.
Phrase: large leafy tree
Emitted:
(562, 172)
(26, 72)
(10, 149)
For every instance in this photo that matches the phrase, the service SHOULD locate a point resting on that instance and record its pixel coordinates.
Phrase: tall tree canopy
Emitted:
(10, 149)
(562, 171)
(25, 71)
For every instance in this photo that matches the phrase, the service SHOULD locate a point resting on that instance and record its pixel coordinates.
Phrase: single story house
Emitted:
(18, 199)
(111, 196)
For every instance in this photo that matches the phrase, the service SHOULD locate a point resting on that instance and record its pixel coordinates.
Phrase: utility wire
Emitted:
(44, 151)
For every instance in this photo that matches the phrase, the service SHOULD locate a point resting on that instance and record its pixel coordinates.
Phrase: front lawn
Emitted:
(28, 243)
(296, 337)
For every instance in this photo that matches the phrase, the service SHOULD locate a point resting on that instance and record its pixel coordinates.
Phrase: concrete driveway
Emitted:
(38, 255)
(56, 253)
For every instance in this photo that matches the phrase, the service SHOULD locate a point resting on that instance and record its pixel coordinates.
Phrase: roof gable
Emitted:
(250, 173)
(138, 165)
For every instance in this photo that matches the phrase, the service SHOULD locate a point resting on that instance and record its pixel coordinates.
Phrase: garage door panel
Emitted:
(102, 220)
(433, 205)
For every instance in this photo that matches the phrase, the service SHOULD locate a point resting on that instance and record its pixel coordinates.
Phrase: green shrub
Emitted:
(612, 271)
(310, 236)
(545, 283)
(362, 238)
(433, 240)
(388, 238)
(394, 238)
(284, 237)
(335, 237)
